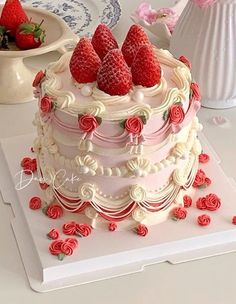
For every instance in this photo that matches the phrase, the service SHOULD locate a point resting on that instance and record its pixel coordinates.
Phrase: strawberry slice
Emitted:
(12, 16)
(103, 41)
(84, 63)
(146, 69)
(135, 38)
(114, 76)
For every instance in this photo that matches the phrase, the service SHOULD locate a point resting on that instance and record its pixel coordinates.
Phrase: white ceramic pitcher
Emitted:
(207, 36)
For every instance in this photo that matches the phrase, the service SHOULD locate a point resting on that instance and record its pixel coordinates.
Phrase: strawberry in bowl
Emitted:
(29, 35)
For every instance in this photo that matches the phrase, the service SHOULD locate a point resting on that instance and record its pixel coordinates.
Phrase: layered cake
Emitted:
(117, 131)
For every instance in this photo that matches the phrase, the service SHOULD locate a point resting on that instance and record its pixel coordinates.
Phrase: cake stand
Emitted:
(15, 77)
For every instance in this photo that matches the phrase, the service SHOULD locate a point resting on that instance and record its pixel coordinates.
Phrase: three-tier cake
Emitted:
(117, 130)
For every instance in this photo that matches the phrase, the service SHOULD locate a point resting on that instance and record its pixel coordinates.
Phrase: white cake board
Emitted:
(104, 254)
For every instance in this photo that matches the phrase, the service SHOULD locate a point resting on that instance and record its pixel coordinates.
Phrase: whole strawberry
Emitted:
(114, 76)
(84, 63)
(29, 35)
(146, 69)
(103, 41)
(135, 38)
(12, 16)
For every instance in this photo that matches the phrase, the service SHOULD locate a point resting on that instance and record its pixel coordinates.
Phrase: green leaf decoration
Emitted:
(165, 115)
(122, 124)
(54, 106)
(79, 116)
(45, 209)
(99, 120)
(179, 103)
(144, 119)
(61, 256)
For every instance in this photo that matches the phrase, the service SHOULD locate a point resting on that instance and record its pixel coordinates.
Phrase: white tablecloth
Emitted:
(208, 281)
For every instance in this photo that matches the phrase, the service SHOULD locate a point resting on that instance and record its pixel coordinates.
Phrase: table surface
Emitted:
(204, 281)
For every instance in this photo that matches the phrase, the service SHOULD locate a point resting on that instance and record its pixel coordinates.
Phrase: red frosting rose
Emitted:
(38, 78)
(35, 203)
(204, 220)
(208, 181)
(67, 248)
(142, 230)
(112, 226)
(53, 234)
(88, 123)
(54, 211)
(25, 161)
(199, 179)
(201, 203)
(176, 114)
(55, 247)
(185, 61)
(187, 201)
(196, 95)
(29, 165)
(204, 158)
(234, 220)
(83, 230)
(43, 186)
(46, 104)
(73, 242)
(213, 202)
(69, 228)
(180, 213)
(134, 125)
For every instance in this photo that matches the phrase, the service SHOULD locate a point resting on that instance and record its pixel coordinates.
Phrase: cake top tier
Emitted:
(100, 79)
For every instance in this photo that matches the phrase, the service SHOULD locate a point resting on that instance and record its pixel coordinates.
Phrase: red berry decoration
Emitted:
(83, 230)
(114, 76)
(35, 203)
(103, 41)
(187, 201)
(12, 16)
(204, 220)
(179, 213)
(146, 69)
(53, 234)
(142, 230)
(29, 35)
(84, 63)
(185, 61)
(112, 226)
(135, 38)
(69, 228)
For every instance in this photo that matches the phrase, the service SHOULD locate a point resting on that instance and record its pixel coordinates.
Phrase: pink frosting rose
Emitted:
(38, 78)
(53, 234)
(180, 213)
(88, 123)
(204, 158)
(73, 242)
(187, 201)
(83, 230)
(196, 95)
(46, 104)
(69, 228)
(185, 61)
(213, 202)
(142, 230)
(112, 226)
(35, 203)
(55, 247)
(204, 220)
(176, 114)
(200, 179)
(54, 211)
(67, 248)
(201, 203)
(234, 220)
(134, 125)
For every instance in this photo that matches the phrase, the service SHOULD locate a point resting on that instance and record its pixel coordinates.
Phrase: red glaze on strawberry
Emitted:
(103, 41)
(114, 76)
(12, 16)
(146, 69)
(135, 38)
(29, 36)
(84, 63)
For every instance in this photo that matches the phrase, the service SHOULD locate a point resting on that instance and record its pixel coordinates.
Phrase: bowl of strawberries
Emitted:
(26, 32)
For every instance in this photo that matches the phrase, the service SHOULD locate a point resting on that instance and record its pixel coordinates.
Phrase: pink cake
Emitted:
(128, 157)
